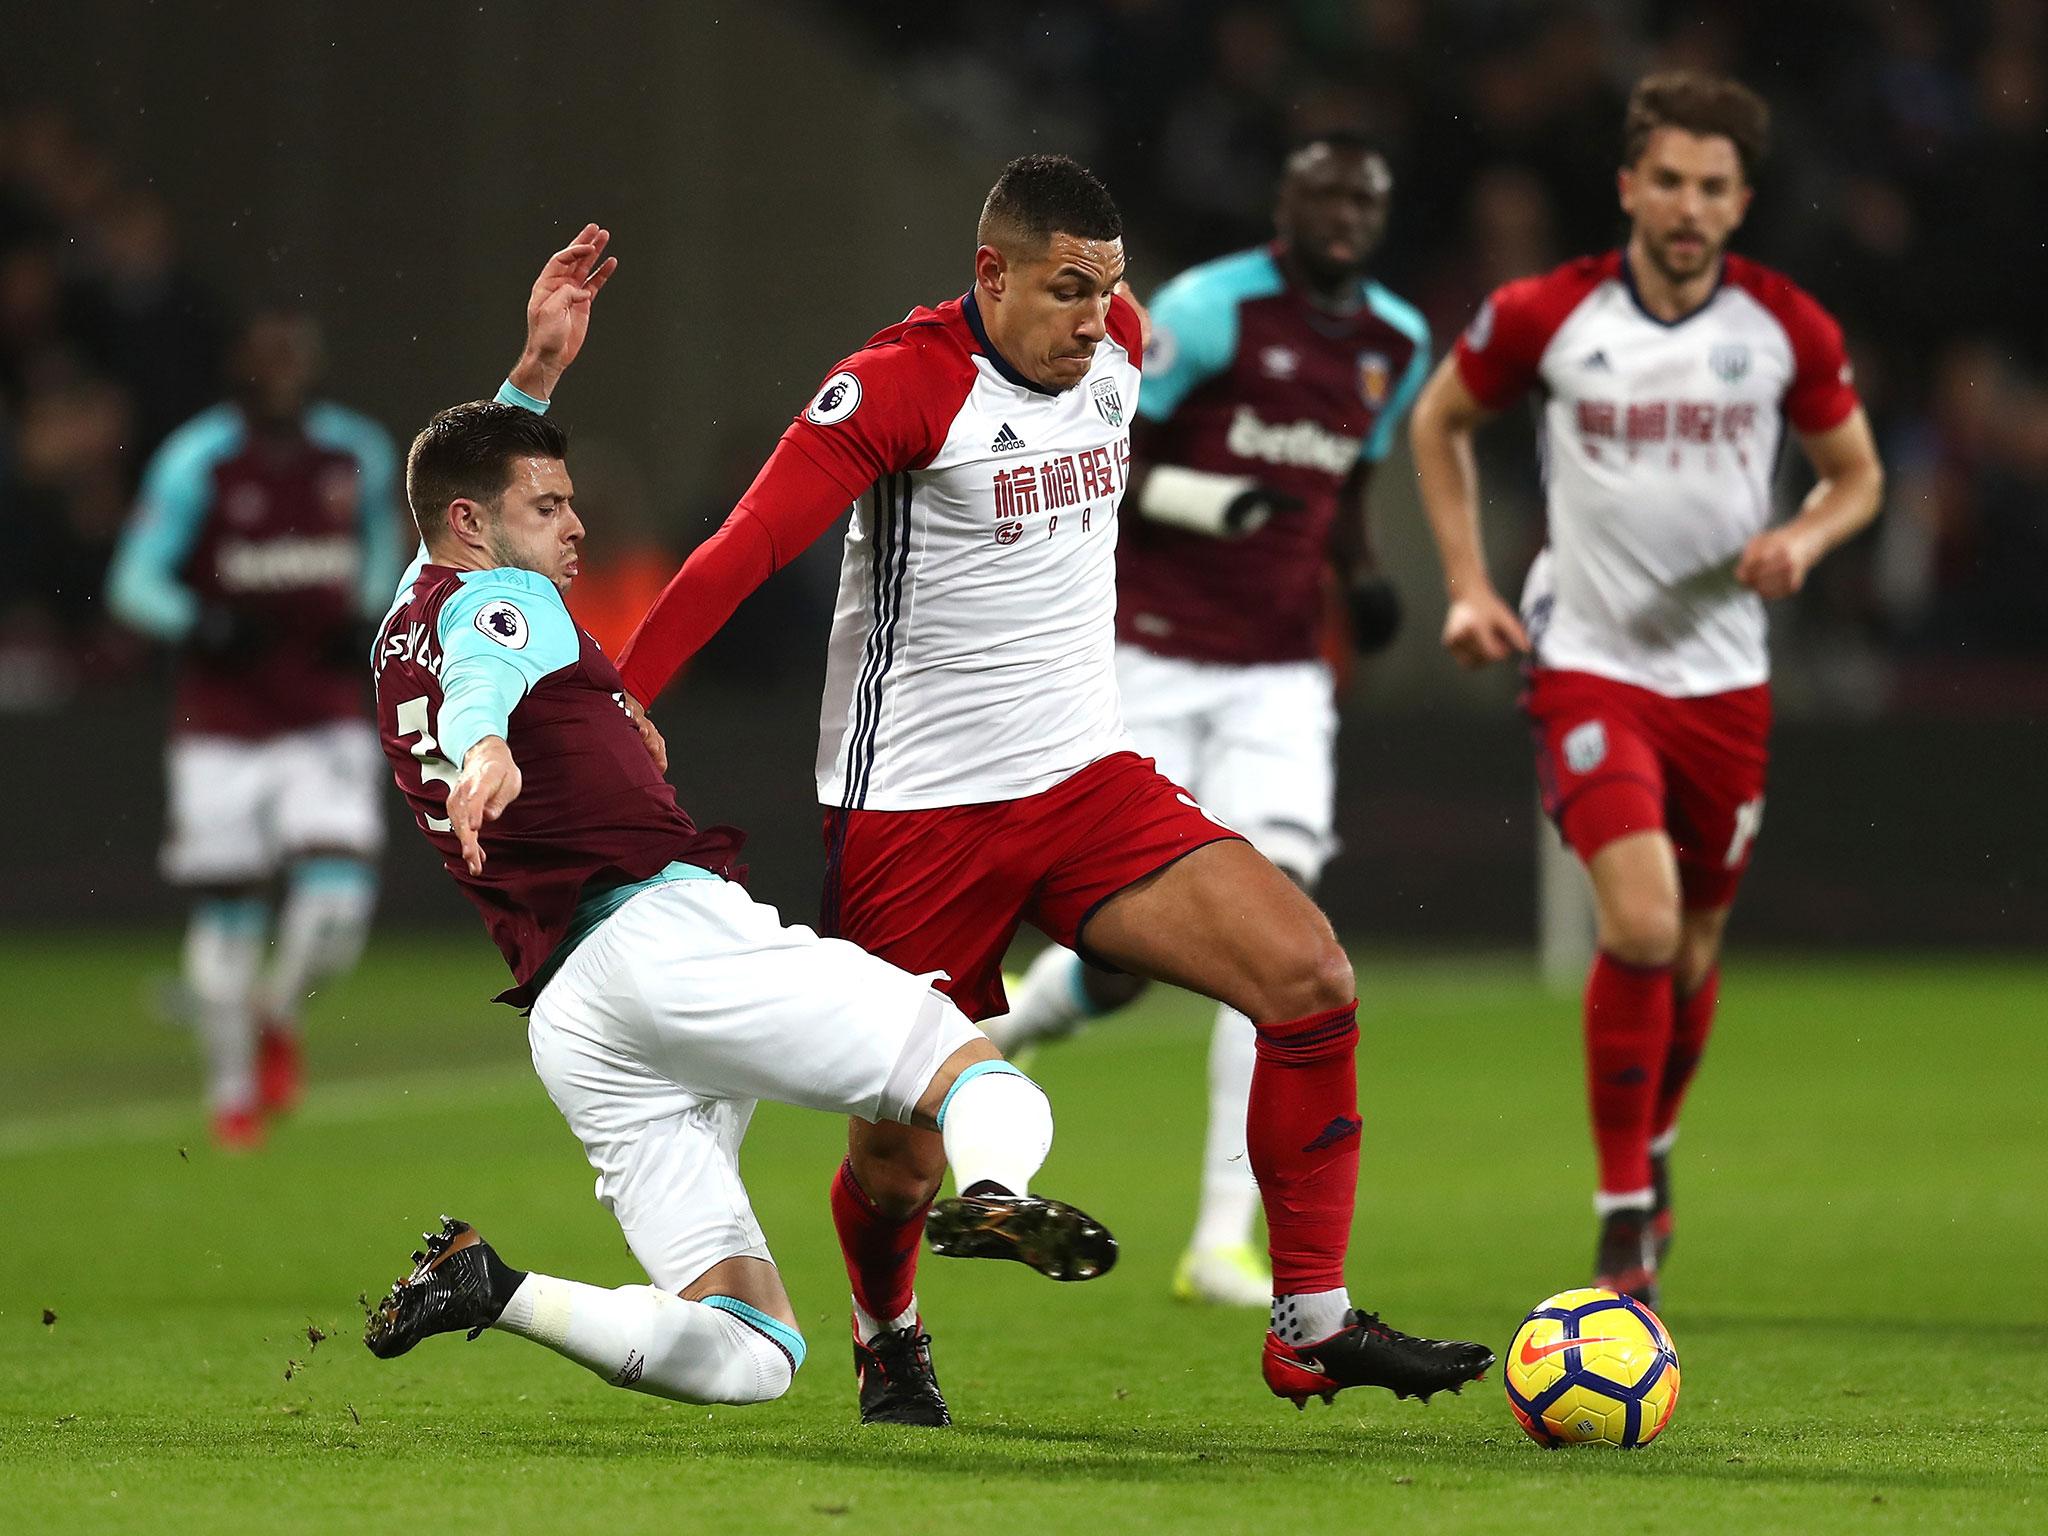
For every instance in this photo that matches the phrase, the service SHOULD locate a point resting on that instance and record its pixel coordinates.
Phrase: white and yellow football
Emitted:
(1592, 1367)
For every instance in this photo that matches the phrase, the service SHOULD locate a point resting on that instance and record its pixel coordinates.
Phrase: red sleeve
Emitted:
(789, 504)
(1501, 350)
(1823, 389)
(885, 409)
(1127, 330)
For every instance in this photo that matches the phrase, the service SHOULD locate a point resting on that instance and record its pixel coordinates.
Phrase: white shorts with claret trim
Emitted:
(683, 1008)
(240, 810)
(1257, 745)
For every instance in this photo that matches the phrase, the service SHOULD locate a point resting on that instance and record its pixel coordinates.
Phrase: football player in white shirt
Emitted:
(976, 773)
(1668, 372)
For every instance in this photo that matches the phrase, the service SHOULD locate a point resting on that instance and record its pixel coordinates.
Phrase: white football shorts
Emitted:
(687, 1005)
(1257, 745)
(240, 810)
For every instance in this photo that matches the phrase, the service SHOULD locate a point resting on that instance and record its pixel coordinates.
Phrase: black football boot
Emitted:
(457, 1282)
(1058, 1240)
(894, 1373)
(1365, 1352)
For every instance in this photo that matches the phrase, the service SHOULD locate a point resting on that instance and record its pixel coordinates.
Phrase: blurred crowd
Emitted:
(108, 340)
(1911, 150)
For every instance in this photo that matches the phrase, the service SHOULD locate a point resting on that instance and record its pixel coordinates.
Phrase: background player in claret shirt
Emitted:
(977, 774)
(1274, 383)
(664, 1001)
(1669, 370)
(263, 547)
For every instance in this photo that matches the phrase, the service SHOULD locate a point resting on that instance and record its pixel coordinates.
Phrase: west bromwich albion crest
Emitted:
(1109, 404)
(1730, 361)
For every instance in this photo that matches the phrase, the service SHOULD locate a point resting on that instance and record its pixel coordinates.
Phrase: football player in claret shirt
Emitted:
(264, 544)
(1274, 383)
(976, 773)
(1669, 372)
(664, 1000)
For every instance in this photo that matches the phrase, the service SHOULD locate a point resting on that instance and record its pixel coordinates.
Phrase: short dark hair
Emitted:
(466, 452)
(1039, 196)
(1698, 103)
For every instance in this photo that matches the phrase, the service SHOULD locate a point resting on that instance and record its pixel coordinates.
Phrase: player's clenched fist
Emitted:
(1774, 563)
(1481, 629)
(490, 781)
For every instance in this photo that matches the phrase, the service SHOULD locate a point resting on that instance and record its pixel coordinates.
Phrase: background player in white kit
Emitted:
(664, 1001)
(1274, 384)
(1668, 372)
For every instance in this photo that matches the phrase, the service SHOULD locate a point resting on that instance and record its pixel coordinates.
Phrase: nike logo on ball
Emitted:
(1532, 1353)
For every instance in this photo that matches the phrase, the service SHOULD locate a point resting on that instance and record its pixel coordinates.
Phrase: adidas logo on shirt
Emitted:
(1006, 441)
(1595, 359)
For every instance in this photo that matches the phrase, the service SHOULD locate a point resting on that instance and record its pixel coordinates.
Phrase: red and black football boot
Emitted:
(457, 1283)
(897, 1384)
(1058, 1240)
(1365, 1352)
(1626, 1260)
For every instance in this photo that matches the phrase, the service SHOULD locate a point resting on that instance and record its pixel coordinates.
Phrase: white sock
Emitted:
(1050, 1001)
(320, 933)
(1309, 1316)
(712, 1351)
(996, 1125)
(223, 950)
(1230, 1194)
(869, 1325)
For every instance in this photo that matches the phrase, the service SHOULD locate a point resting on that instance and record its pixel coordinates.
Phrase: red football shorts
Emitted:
(1612, 758)
(946, 889)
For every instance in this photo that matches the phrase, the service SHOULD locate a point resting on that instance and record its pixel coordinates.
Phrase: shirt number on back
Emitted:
(434, 768)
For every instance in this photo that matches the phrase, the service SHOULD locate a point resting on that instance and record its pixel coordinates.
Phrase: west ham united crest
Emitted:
(1109, 404)
(1375, 378)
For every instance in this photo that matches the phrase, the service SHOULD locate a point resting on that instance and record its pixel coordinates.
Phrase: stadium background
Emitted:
(785, 178)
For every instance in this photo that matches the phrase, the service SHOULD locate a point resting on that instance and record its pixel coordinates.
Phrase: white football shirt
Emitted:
(1659, 442)
(972, 650)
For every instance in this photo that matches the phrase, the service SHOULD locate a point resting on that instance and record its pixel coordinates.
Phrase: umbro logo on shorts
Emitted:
(1006, 441)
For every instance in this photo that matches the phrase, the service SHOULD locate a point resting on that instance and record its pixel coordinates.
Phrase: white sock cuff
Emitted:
(1605, 1204)
(1661, 1145)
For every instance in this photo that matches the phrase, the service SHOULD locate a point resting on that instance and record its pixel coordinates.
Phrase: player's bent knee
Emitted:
(758, 1360)
(1313, 976)
(1642, 933)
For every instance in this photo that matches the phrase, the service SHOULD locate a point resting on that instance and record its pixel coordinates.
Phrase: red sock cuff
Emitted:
(1631, 967)
(1315, 1037)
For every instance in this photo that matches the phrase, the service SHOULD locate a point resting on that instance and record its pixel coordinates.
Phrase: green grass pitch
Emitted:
(1857, 1290)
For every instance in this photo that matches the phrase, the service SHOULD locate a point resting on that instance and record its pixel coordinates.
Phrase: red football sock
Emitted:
(1628, 1032)
(880, 1252)
(1692, 1020)
(1302, 1133)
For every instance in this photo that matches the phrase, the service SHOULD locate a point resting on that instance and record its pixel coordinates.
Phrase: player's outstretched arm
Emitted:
(1842, 503)
(1479, 627)
(558, 311)
(490, 781)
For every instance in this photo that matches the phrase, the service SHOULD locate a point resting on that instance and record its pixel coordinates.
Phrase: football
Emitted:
(1591, 1367)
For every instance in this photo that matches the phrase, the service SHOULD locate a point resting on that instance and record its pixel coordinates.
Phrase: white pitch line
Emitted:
(340, 1103)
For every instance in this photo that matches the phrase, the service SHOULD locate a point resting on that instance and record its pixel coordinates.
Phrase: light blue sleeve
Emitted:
(1194, 327)
(511, 394)
(1407, 319)
(502, 633)
(370, 446)
(143, 587)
